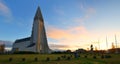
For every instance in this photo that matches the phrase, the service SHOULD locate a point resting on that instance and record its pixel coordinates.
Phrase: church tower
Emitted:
(38, 41)
(39, 34)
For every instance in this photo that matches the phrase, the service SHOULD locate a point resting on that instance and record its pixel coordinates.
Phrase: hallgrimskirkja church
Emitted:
(38, 41)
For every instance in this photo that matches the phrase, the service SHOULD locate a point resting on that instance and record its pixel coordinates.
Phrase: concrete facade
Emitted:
(38, 40)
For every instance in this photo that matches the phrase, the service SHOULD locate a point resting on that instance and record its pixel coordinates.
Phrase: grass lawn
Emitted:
(53, 59)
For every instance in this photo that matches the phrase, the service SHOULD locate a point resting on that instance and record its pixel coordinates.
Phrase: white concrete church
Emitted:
(38, 40)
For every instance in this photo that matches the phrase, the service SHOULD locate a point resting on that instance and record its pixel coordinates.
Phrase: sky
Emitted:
(70, 24)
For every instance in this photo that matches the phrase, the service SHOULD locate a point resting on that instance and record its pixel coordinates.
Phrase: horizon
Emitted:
(69, 24)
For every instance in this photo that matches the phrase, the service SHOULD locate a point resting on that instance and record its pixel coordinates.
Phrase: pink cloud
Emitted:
(81, 6)
(5, 11)
(73, 37)
(57, 33)
(70, 37)
(89, 12)
(58, 46)
(79, 37)
(3, 8)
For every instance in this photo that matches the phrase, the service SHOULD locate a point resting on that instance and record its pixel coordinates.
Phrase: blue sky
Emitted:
(70, 24)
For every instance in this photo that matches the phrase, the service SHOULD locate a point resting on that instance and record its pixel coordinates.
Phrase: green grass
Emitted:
(17, 59)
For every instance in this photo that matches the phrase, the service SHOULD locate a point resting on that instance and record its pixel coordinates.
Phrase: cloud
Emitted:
(66, 33)
(70, 37)
(58, 46)
(57, 33)
(87, 10)
(73, 37)
(88, 14)
(79, 21)
(7, 43)
(81, 6)
(5, 11)
(59, 10)
(90, 11)
(76, 34)
(4, 8)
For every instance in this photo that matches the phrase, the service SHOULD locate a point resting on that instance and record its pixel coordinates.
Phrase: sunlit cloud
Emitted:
(58, 33)
(70, 37)
(73, 37)
(58, 46)
(77, 35)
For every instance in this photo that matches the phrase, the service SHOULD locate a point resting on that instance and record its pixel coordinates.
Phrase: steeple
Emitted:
(38, 40)
(38, 14)
(39, 34)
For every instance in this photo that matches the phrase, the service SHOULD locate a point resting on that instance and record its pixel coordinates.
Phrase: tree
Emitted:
(113, 46)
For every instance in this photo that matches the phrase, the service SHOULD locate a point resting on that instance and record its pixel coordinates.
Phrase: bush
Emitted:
(107, 56)
(47, 59)
(58, 58)
(85, 56)
(24, 52)
(23, 59)
(68, 58)
(94, 57)
(64, 56)
(10, 59)
(102, 56)
(36, 59)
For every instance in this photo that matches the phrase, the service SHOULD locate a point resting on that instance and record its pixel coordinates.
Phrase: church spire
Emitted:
(38, 14)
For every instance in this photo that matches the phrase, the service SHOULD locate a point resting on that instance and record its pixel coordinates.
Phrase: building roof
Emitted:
(31, 45)
(21, 40)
